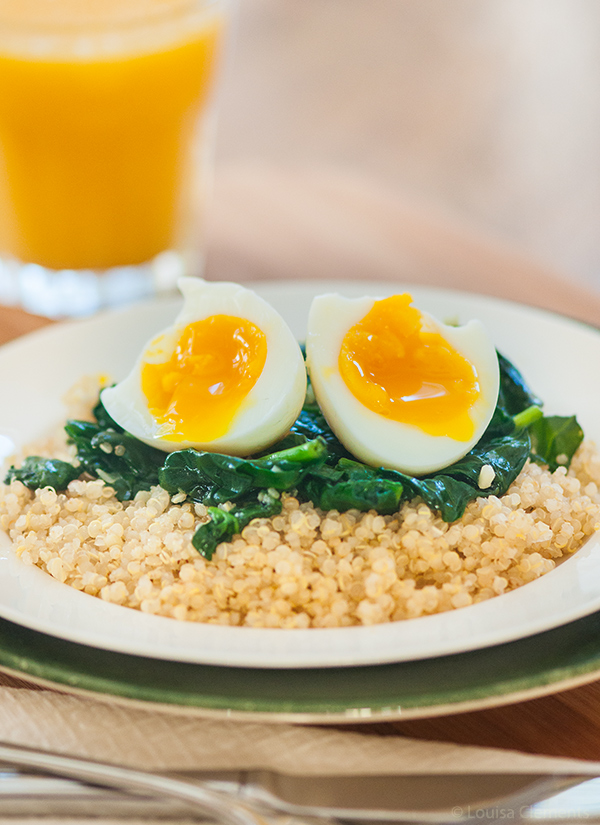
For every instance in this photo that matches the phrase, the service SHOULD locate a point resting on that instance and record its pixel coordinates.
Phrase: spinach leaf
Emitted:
(181, 473)
(501, 424)
(554, 440)
(37, 471)
(552, 437)
(515, 396)
(289, 440)
(447, 495)
(528, 417)
(102, 417)
(311, 423)
(351, 485)
(120, 460)
(450, 490)
(211, 478)
(504, 424)
(214, 478)
(286, 467)
(223, 525)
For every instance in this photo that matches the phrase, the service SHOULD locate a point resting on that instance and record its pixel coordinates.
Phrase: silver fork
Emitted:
(248, 798)
(212, 804)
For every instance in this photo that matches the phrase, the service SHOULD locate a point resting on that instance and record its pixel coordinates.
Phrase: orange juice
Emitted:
(100, 132)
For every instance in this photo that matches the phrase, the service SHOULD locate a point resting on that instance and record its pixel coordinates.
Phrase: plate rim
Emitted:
(354, 716)
(502, 690)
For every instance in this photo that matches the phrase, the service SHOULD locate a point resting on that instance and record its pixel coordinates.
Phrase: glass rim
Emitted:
(97, 22)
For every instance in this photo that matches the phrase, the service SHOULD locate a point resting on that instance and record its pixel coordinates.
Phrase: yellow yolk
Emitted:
(399, 370)
(196, 394)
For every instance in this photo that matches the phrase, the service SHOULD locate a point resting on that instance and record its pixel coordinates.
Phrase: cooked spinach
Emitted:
(552, 437)
(554, 440)
(311, 423)
(527, 417)
(120, 460)
(37, 471)
(213, 478)
(103, 419)
(515, 395)
(450, 490)
(224, 524)
(351, 485)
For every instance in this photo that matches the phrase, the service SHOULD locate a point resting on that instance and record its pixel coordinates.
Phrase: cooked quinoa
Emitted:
(304, 567)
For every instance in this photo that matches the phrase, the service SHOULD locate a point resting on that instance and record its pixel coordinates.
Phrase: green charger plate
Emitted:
(511, 672)
(541, 664)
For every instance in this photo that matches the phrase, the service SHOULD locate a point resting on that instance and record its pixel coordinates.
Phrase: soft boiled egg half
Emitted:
(227, 376)
(399, 388)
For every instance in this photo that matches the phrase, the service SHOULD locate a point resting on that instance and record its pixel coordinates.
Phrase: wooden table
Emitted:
(291, 223)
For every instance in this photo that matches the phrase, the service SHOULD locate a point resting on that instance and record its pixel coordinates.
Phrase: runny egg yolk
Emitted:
(196, 394)
(399, 369)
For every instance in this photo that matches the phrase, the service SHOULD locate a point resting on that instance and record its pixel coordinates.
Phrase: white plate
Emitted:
(559, 358)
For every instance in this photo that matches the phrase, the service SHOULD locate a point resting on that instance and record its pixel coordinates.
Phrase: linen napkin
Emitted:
(179, 740)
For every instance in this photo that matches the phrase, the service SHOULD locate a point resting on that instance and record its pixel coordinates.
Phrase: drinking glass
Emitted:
(106, 134)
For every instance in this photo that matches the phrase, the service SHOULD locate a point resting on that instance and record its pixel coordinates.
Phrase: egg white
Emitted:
(271, 406)
(373, 438)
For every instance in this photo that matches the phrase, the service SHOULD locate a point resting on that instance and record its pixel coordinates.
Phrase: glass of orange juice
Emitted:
(106, 132)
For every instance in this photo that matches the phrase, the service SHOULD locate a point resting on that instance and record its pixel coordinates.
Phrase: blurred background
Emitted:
(486, 112)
